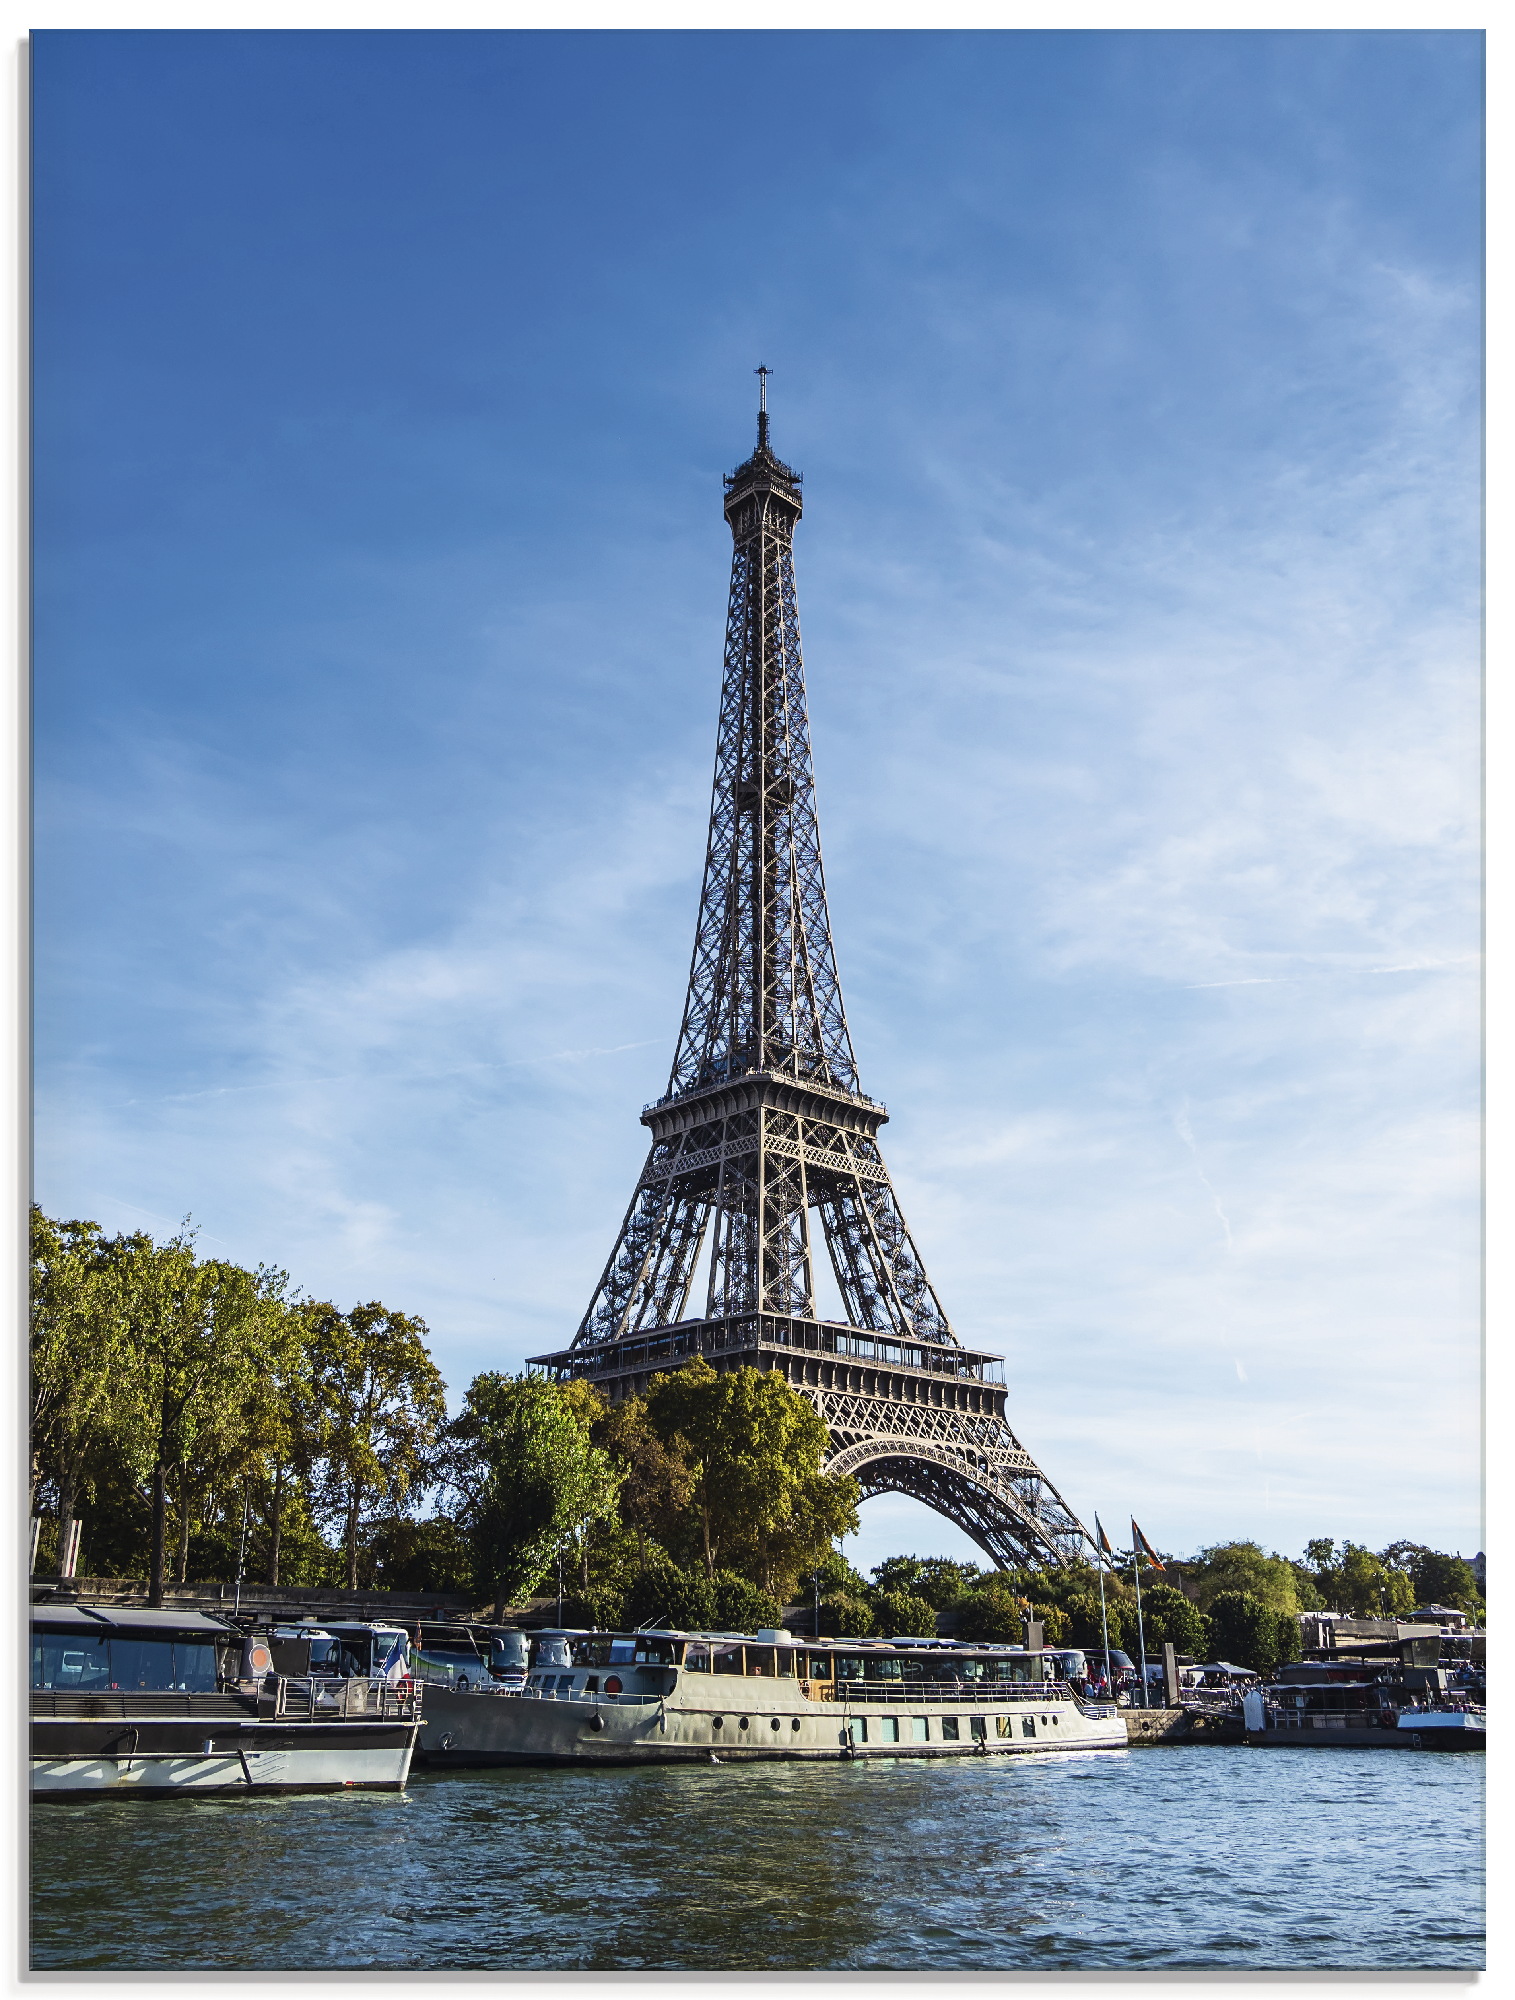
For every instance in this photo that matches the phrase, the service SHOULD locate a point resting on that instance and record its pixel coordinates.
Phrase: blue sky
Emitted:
(383, 387)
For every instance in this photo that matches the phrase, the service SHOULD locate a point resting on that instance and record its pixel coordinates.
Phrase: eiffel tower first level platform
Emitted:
(764, 1141)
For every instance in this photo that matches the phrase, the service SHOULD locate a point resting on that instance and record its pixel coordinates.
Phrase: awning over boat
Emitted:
(123, 1618)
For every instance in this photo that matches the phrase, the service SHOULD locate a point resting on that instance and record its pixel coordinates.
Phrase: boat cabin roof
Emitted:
(125, 1618)
(958, 1648)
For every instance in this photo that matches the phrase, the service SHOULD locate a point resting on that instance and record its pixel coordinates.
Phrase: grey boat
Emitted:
(701, 1697)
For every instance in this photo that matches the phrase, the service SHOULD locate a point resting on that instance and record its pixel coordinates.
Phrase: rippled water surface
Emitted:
(1217, 1857)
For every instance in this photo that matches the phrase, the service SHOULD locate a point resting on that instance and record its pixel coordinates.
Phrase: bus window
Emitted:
(509, 1653)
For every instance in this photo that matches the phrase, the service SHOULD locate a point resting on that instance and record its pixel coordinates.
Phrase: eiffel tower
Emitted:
(763, 1132)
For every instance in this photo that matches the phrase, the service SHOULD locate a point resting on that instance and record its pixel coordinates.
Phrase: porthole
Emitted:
(777, 1723)
(716, 1721)
(744, 1723)
(795, 1723)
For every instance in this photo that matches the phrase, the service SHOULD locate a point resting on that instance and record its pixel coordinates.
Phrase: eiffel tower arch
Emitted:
(764, 1140)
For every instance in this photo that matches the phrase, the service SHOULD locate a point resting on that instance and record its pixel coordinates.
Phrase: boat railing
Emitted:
(316, 1698)
(980, 1693)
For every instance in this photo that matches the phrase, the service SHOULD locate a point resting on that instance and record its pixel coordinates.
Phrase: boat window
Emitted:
(623, 1652)
(726, 1659)
(849, 1667)
(888, 1667)
(188, 1664)
(786, 1662)
(697, 1657)
(596, 1652)
(819, 1665)
(68, 1660)
(653, 1652)
(760, 1660)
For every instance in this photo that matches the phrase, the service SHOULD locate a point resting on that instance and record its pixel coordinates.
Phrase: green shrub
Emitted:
(896, 1612)
(664, 1594)
(845, 1616)
(740, 1606)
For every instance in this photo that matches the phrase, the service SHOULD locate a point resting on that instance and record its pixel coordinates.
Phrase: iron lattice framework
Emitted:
(763, 1131)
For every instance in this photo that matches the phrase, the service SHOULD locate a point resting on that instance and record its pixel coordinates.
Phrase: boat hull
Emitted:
(1428, 1735)
(469, 1729)
(157, 1758)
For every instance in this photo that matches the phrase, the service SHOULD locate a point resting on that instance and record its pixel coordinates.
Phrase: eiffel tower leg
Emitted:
(646, 1281)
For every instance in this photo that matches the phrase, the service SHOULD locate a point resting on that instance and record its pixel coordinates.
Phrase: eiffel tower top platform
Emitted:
(764, 1139)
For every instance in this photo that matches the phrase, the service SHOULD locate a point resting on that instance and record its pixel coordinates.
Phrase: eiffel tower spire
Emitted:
(763, 1139)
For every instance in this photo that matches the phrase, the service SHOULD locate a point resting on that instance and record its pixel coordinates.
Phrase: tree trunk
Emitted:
(275, 1522)
(65, 1512)
(352, 1541)
(705, 1530)
(160, 1512)
(183, 1562)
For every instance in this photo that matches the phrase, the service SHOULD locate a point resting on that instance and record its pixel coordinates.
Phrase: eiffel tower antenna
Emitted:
(764, 1140)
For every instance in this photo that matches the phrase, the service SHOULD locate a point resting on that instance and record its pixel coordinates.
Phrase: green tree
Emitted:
(741, 1606)
(844, 1616)
(754, 1449)
(432, 1553)
(657, 1482)
(531, 1475)
(1246, 1631)
(936, 1579)
(1434, 1577)
(1245, 1567)
(896, 1612)
(382, 1406)
(1170, 1619)
(195, 1336)
(994, 1612)
(665, 1593)
(77, 1340)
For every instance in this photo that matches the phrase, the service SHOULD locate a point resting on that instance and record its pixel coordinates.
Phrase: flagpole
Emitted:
(1141, 1631)
(1104, 1622)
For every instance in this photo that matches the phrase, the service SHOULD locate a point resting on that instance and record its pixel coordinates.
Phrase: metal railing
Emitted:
(315, 1698)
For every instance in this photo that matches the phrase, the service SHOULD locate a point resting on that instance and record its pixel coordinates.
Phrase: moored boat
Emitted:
(169, 1702)
(1337, 1714)
(699, 1697)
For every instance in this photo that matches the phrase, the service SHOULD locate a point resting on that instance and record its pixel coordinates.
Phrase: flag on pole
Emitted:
(1142, 1543)
(1103, 1538)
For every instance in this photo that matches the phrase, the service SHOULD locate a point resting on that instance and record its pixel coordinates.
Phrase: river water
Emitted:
(1199, 1856)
